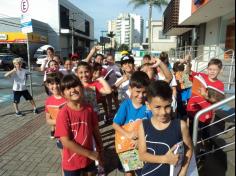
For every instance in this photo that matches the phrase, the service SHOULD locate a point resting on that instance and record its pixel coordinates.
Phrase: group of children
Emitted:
(148, 94)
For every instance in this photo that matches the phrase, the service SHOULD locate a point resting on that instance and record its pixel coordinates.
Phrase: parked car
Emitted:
(6, 61)
(40, 59)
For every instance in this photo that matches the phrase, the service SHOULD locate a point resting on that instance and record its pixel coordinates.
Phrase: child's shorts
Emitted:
(17, 95)
(91, 168)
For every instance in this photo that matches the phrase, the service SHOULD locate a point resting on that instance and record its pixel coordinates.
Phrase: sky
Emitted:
(104, 10)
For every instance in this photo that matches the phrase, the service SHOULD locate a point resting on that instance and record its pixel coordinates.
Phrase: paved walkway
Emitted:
(27, 150)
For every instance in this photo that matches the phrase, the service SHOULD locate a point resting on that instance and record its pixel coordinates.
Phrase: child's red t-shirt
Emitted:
(52, 100)
(98, 86)
(197, 103)
(77, 125)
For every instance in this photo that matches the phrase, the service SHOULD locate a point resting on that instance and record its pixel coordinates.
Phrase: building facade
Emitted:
(159, 41)
(208, 25)
(56, 20)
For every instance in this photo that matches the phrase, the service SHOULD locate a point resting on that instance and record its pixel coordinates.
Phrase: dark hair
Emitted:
(99, 55)
(164, 58)
(51, 49)
(84, 64)
(159, 89)
(54, 77)
(147, 56)
(139, 79)
(215, 61)
(70, 81)
(178, 67)
(67, 59)
(96, 67)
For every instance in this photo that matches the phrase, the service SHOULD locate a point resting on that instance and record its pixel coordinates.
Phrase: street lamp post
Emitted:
(72, 32)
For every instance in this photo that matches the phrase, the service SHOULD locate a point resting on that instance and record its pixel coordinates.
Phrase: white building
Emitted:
(60, 16)
(159, 41)
(128, 29)
(208, 26)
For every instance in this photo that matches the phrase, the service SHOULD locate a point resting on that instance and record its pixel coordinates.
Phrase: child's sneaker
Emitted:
(52, 135)
(19, 114)
(35, 111)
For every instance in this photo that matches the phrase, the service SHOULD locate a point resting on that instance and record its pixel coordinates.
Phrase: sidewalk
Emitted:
(27, 150)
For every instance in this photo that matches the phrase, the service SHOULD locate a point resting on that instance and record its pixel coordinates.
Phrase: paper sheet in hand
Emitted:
(192, 169)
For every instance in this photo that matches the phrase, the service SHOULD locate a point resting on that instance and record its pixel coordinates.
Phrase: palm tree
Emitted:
(151, 4)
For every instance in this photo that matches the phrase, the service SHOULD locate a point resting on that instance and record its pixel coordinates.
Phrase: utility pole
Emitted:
(72, 32)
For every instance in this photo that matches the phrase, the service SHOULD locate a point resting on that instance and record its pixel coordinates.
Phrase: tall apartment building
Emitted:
(128, 29)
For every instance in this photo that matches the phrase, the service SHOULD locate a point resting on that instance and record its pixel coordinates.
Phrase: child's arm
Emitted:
(91, 53)
(49, 120)
(99, 145)
(164, 69)
(10, 73)
(106, 89)
(125, 77)
(168, 158)
(74, 147)
(188, 148)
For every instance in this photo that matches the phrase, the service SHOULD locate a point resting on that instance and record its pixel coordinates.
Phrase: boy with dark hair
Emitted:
(133, 109)
(159, 135)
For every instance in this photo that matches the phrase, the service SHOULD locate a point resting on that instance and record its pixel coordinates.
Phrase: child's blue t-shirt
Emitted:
(128, 113)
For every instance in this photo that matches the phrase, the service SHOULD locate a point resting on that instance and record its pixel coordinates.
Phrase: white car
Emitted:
(40, 59)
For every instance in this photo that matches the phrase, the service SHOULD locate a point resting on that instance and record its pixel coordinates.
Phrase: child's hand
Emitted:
(156, 62)
(203, 92)
(172, 158)
(94, 156)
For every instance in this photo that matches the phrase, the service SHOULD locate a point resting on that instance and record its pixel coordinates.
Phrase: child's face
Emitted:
(68, 65)
(54, 88)
(74, 94)
(17, 65)
(146, 60)
(161, 109)
(54, 65)
(138, 94)
(110, 60)
(96, 74)
(84, 74)
(99, 59)
(128, 67)
(213, 71)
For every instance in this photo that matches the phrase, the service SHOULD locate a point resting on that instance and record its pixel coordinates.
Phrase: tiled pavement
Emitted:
(27, 150)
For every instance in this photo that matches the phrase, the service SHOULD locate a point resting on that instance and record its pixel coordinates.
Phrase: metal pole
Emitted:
(72, 34)
(29, 66)
(231, 70)
(197, 116)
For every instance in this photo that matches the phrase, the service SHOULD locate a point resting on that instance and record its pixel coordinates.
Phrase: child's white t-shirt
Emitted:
(19, 80)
